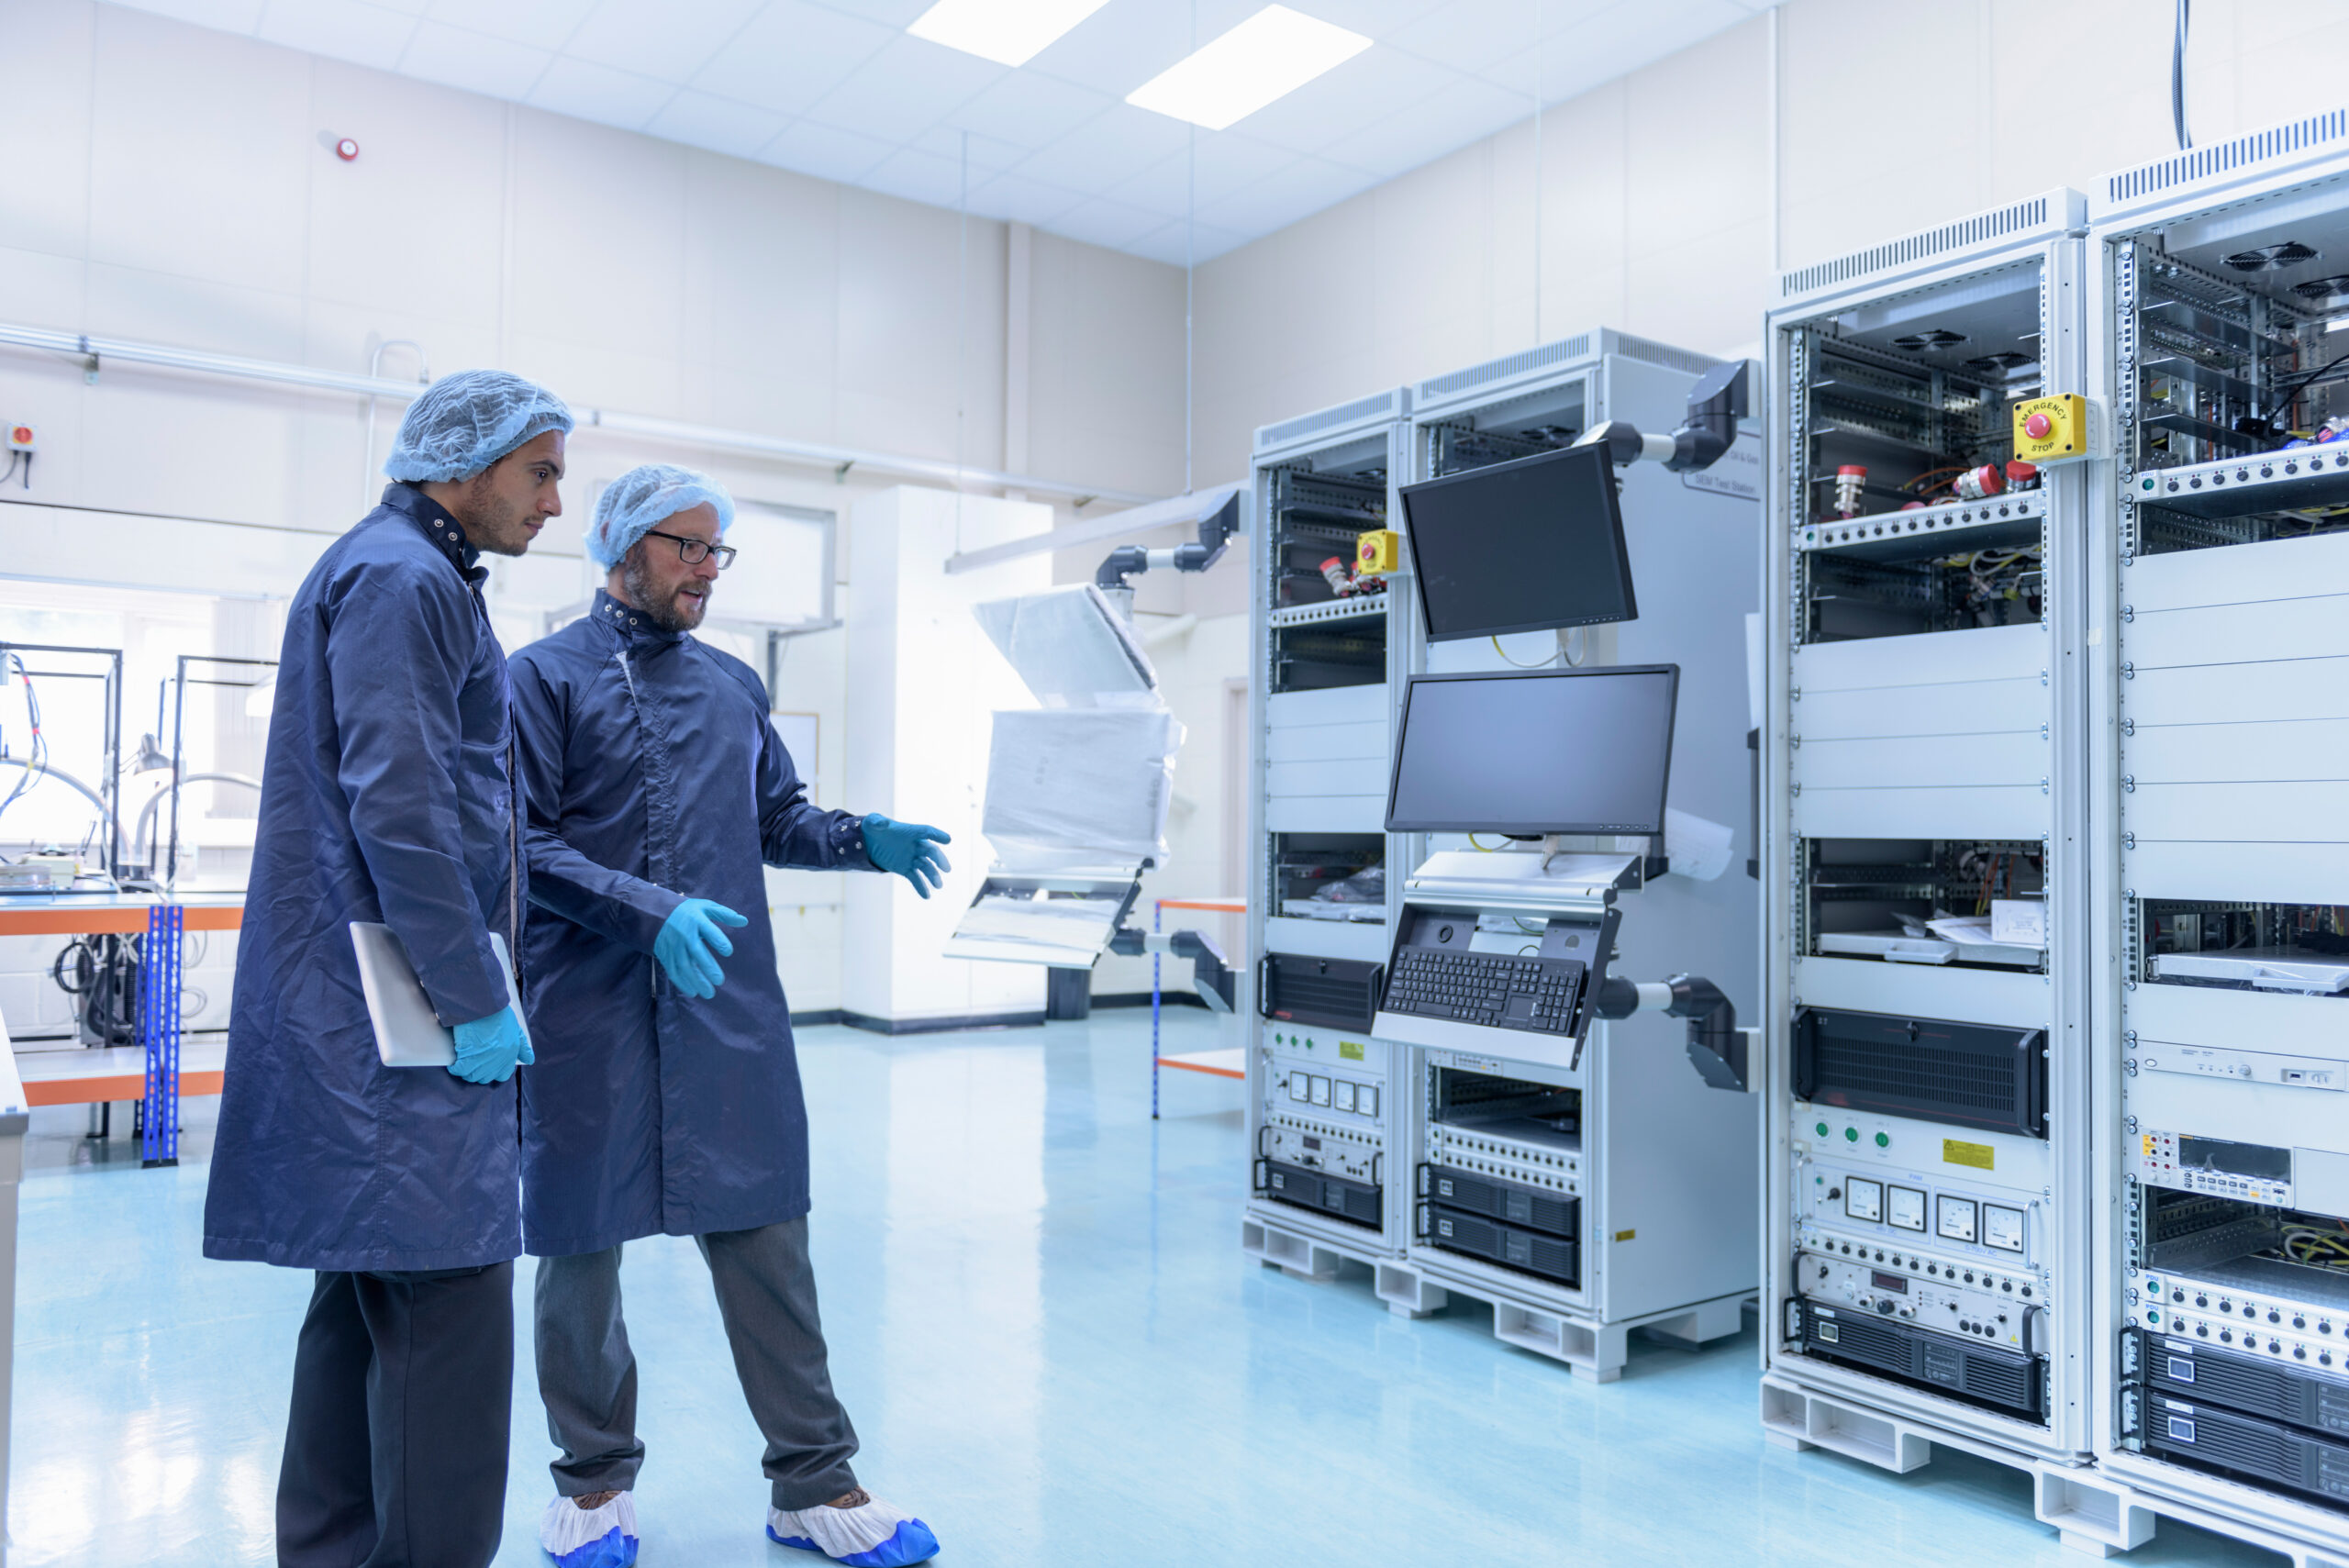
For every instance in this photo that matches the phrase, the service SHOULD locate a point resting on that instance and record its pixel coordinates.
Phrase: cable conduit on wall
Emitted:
(97, 351)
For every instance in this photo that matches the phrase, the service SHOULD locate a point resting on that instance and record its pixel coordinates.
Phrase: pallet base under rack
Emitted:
(1593, 1350)
(2089, 1511)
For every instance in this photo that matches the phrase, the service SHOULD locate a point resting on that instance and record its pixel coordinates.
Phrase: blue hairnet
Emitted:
(645, 497)
(467, 421)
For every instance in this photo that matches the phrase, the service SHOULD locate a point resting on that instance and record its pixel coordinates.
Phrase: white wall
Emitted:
(174, 184)
(1655, 191)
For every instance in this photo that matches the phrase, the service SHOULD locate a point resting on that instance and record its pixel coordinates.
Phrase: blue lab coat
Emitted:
(653, 775)
(386, 797)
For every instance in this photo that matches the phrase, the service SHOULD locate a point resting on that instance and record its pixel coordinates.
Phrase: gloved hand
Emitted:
(488, 1049)
(908, 849)
(690, 945)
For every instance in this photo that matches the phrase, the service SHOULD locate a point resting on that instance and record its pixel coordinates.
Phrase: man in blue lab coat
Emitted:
(667, 1096)
(386, 797)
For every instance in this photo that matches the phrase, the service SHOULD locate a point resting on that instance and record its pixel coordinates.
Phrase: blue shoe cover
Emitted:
(874, 1535)
(590, 1538)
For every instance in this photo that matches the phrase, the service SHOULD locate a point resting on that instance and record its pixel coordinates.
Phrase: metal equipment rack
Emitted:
(1651, 1219)
(1324, 1098)
(2222, 859)
(1927, 750)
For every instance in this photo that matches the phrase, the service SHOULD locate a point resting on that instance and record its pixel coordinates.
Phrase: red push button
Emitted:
(2038, 427)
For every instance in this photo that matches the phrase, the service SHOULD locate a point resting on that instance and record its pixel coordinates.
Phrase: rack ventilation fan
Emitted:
(1997, 363)
(2322, 288)
(1917, 342)
(2271, 258)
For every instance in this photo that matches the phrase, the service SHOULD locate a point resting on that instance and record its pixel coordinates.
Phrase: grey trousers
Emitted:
(766, 1294)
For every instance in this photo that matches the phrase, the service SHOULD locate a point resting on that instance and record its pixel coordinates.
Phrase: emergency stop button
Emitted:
(2050, 429)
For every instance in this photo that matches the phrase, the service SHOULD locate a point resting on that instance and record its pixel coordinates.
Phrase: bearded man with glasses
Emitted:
(665, 1099)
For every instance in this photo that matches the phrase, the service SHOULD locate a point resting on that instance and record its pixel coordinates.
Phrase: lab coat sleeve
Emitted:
(399, 645)
(792, 830)
(626, 910)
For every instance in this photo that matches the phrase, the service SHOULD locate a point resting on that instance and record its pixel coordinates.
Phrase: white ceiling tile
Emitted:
(1030, 109)
(790, 55)
(917, 177)
(1018, 200)
(341, 30)
(474, 61)
(1111, 225)
(1451, 117)
(1302, 189)
(658, 38)
(1204, 244)
(1620, 39)
(987, 155)
(1469, 35)
(1373, 85)
(721, 124)
(227, 16)
(825, 151)
(890, 13)
(591, 92)
(541, 24)
(1227, 162)
(1374, 20)
(907, 87)
(1120, 141)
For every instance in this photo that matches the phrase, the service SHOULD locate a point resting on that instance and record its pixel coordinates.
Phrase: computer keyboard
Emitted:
(1495, 989)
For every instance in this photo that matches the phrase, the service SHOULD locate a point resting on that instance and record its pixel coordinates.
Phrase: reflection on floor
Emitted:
(1043, 1325)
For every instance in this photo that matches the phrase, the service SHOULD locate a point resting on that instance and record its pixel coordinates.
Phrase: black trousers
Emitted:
(403, 1405)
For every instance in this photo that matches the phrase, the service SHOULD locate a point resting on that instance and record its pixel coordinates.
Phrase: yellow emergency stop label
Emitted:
(1350, 1050)
(1981, 1156)
(2049, 429)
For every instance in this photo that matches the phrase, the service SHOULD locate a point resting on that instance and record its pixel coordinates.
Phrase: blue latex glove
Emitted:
(690, 945)
(488, 1049)
(908, 849)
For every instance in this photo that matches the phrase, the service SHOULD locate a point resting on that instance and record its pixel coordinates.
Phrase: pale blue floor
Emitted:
(1043, 1325)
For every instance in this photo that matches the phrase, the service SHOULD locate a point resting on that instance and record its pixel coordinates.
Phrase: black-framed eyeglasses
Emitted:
(694, 552)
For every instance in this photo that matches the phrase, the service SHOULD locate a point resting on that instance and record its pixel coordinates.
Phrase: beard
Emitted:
(494, 525)
(673, 612)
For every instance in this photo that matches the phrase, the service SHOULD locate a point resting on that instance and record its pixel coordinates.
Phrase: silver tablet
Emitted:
(407, 1032)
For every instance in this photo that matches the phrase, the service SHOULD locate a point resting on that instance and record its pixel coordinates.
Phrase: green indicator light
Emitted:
(2153, 1319)
(2149, 484)
(1822, 1129)
(1883, 1141)
(1852, 1133)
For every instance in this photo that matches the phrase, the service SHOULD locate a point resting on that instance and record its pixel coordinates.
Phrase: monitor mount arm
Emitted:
(1215, 980)
(1717, 1049)
(1216, 529)
(1719, 400)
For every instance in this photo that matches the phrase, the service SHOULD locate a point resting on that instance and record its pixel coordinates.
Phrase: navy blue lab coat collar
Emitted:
(635, 628)
(439, 525)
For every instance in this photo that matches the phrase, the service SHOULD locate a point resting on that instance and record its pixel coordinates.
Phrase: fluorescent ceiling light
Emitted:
(1009, 32)
(1269, 56)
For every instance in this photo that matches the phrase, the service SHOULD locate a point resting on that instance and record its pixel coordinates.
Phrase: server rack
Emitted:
(1324, 1097)
(1926, 761)
(1636, 1207)
(2223, 865)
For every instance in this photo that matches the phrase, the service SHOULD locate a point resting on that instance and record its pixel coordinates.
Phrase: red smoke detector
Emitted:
(345, 149)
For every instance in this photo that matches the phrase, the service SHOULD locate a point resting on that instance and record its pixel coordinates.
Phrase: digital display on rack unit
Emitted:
(2257, 1159)
(1532, 545)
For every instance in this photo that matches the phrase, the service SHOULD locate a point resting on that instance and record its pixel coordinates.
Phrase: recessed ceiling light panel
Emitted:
(1269, 56)
(1009, 32)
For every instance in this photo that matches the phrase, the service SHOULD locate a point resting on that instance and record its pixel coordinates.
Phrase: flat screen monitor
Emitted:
(1543, 751)
(1530, 545)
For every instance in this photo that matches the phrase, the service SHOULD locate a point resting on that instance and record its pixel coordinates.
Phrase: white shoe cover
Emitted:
(602, 1537)
(873, 1535)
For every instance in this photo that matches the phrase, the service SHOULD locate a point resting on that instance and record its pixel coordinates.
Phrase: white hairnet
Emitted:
(644, 498)
(467, 421)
